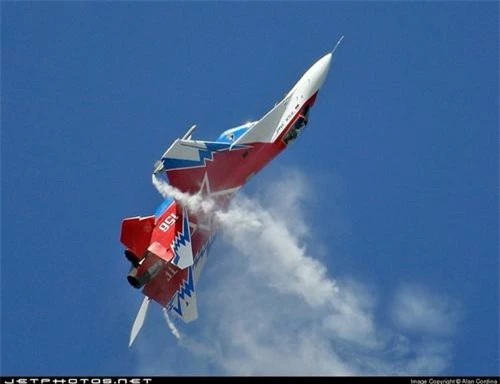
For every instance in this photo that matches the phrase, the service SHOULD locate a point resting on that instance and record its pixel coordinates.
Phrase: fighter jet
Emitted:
(168, 250)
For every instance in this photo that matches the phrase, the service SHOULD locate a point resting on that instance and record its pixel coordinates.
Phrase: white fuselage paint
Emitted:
(305, 88)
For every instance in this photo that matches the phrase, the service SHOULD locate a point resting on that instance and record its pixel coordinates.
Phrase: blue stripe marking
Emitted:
(163, 207)
(233, 134)
(203, 153)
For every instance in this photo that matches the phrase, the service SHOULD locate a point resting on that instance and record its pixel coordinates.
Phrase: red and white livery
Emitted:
(168, 250)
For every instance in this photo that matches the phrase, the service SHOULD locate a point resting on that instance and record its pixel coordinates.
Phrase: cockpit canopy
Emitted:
(297, 126)
(233, 134)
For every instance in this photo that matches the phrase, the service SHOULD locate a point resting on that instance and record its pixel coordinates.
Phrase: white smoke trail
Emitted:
(195, 203)
(171, 325)
(283, 313)
(256, 233)
(197, 349)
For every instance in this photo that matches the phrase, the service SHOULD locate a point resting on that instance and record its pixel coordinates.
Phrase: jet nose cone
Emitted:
(326, 60)
(320, 69)
(325, 63)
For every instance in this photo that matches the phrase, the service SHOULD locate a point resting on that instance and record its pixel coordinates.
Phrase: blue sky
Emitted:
(393, 188)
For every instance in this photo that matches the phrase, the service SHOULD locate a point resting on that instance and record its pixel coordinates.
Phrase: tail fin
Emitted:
(136, 234)
(171, 238)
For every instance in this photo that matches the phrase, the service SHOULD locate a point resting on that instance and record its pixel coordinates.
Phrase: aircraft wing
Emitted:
(263, 131)
(212, 166)
(194, 165)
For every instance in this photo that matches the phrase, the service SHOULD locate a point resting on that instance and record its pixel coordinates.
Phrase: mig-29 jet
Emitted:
(168, 250)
